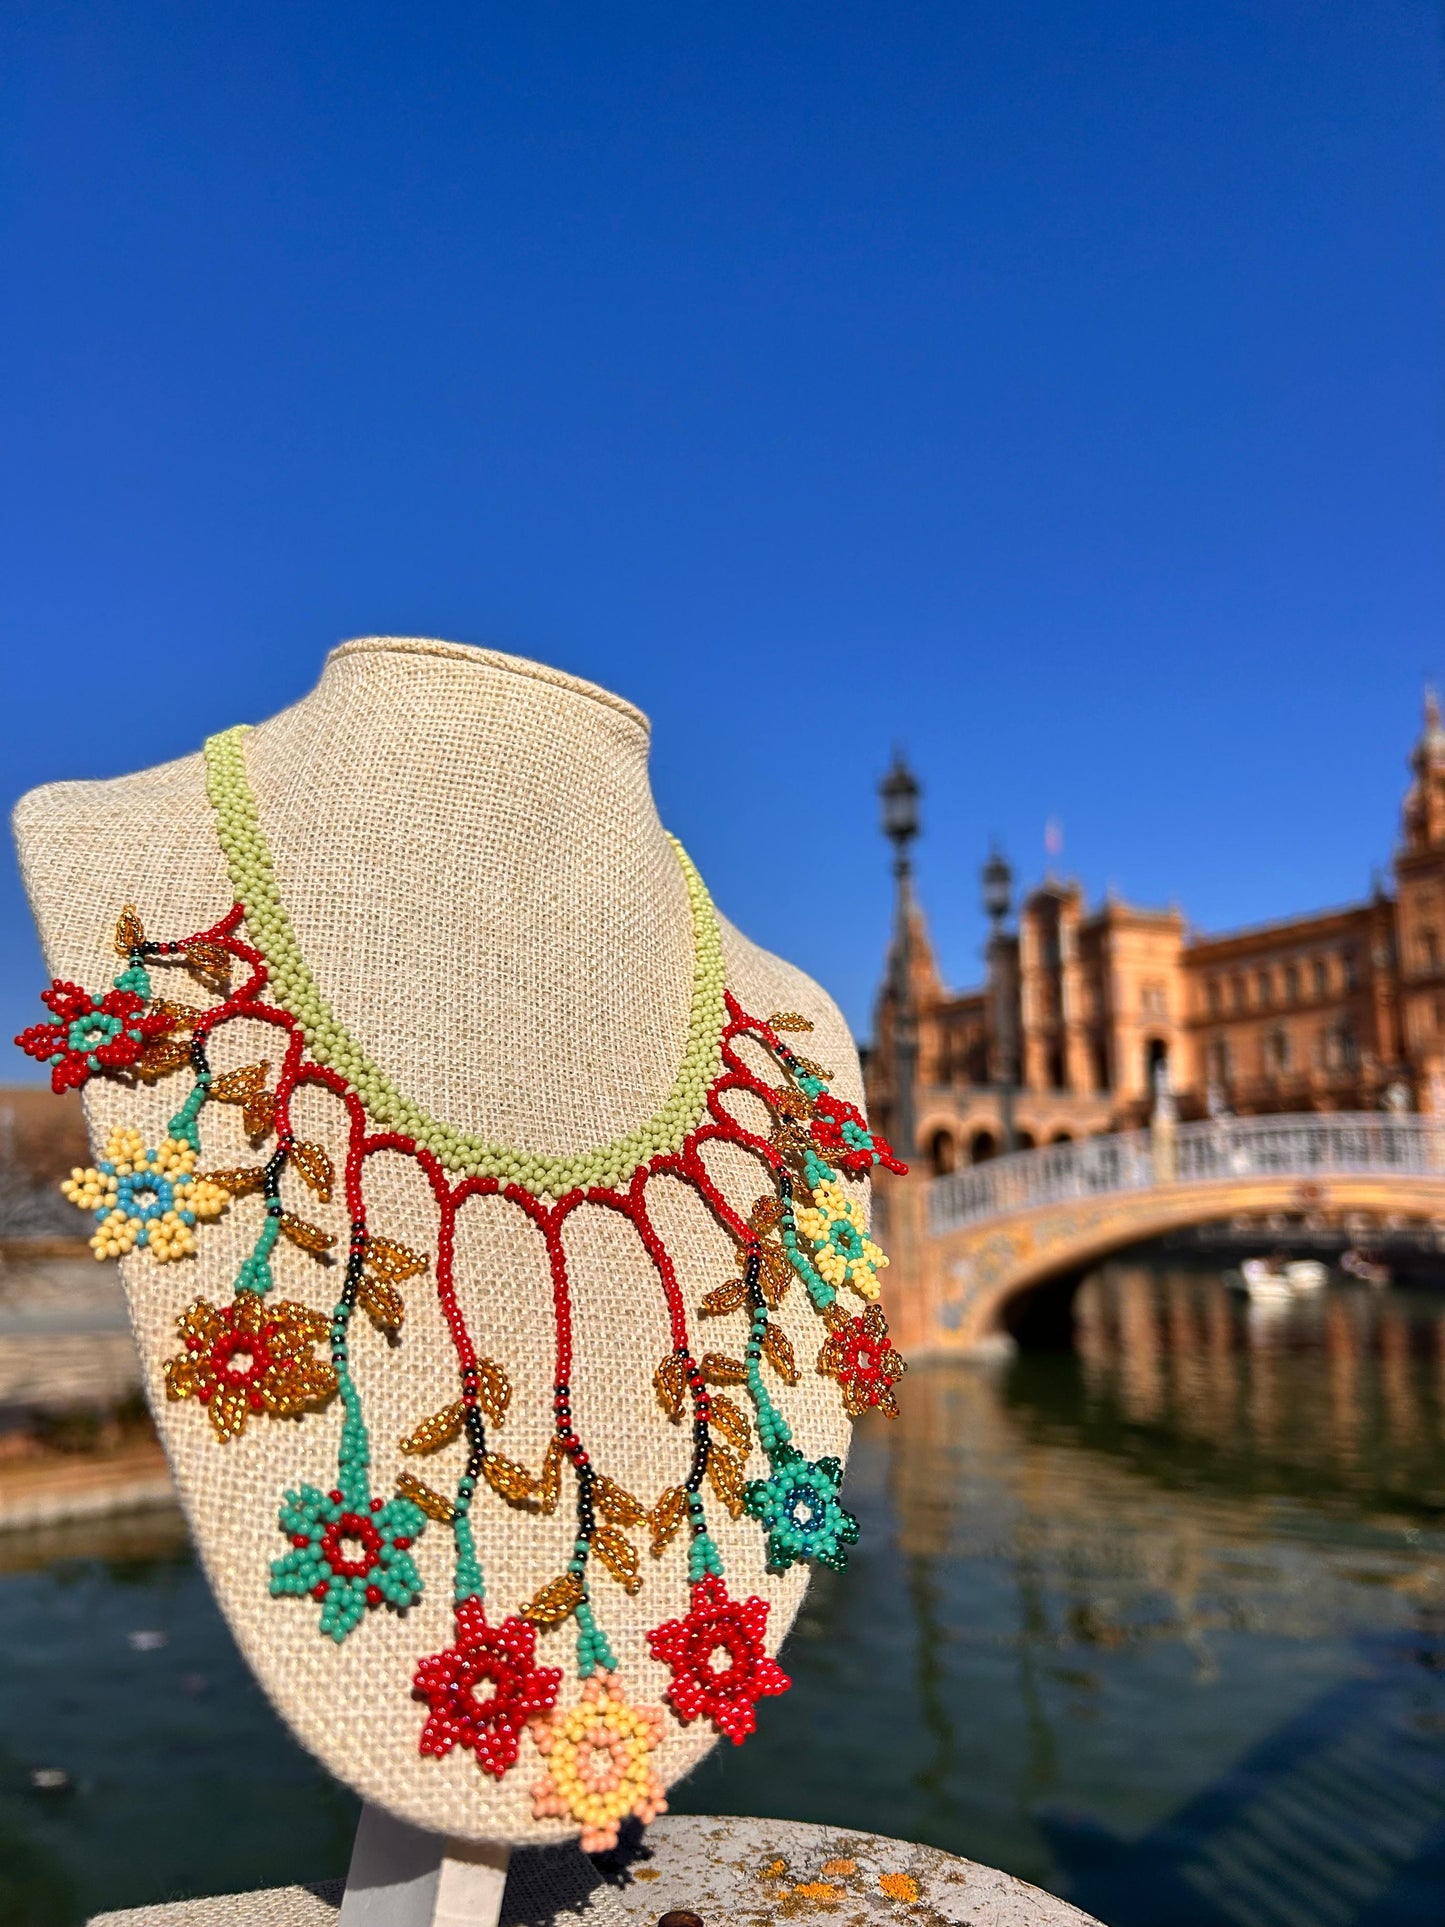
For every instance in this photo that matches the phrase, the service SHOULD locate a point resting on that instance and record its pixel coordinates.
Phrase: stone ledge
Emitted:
(83, 1487)
(751, 1872)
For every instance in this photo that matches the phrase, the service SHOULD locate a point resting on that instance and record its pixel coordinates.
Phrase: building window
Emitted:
(944, 1152)
(1276, 1052)
(1262, 989)
(1218, 1061)
(1153, 1000)
(1340, 1048)
(1430, 949)
(1321, 972)
(1291, 983)
(1240, 994)
(982, 1147)
(1215, 1000)
(1351, 961)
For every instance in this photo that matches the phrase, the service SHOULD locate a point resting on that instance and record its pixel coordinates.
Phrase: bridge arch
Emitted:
(997, 1233)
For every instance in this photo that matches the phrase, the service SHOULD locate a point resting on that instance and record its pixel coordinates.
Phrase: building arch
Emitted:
(943, 1152)
(982, 1146)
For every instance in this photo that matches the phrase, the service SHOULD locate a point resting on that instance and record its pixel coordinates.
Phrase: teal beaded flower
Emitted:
(345, 1558)
(798, 1504)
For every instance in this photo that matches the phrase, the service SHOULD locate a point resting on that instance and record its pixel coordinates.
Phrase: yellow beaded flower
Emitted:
(598, 1765)
(844, 1254)
(141, 1197)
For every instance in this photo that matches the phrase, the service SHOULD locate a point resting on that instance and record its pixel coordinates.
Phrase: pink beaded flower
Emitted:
(599, 1767)
(489, 1724)
(719, 1629)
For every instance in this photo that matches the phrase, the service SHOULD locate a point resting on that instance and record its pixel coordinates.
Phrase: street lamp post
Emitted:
(899, 791)
(998, 883)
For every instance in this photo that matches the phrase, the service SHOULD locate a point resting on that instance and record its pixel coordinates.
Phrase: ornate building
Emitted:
(1091, 1017)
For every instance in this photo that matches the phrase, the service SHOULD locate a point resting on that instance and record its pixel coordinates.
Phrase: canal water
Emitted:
(1159, 1625)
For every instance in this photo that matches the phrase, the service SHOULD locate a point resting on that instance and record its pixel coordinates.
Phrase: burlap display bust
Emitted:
(475, 870)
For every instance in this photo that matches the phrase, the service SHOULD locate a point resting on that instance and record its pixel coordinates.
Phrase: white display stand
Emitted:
(402, 1877)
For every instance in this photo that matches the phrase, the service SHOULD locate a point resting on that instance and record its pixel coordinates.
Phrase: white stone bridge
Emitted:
(972, 1248)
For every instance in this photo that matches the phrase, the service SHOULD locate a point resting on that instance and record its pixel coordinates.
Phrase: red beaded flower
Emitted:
(91, 1034)
(840, 1134)
(500, 1657)
(859, 1354)
(719, 1627)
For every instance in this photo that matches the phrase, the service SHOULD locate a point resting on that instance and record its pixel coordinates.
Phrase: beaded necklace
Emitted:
(352, 1550)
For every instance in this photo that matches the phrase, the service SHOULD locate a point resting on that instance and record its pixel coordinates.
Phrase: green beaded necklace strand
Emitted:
(461, 1152)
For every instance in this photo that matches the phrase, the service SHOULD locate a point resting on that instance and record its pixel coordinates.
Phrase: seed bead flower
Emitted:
(798, 1505)
(144, 1198)
(860, 1355)
(91, 1034)
(843, 1253)
(348, 1558)
(731, 1630)
(250, 1357)
(840, 1134)
(599, 1767)
(501, 1659)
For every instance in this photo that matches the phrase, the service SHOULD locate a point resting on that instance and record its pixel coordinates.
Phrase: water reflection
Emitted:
(1173, 1609)
(1347, 1387)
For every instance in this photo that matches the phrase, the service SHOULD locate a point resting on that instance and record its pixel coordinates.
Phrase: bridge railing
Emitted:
(1310, 1145)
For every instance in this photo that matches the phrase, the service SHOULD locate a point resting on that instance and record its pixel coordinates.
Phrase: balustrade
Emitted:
(1311, 1145)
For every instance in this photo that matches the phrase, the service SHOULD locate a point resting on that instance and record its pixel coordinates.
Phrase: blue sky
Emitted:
(1054, 389)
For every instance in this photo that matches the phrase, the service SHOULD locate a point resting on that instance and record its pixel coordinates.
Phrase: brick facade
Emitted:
(1337, 1011)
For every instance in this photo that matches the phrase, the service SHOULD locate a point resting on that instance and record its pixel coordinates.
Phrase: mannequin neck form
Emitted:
(415, 711)
(476, 877)
(469, 851)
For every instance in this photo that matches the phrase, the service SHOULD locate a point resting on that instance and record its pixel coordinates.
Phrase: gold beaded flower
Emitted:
(859, 1353)
(598, 1765)
(249, 1356)
(144, 1198)
(843, 1253)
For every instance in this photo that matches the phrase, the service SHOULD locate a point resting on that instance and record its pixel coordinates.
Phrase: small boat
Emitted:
(1369, 1271)
(1306, 1275)
(1264, 1283)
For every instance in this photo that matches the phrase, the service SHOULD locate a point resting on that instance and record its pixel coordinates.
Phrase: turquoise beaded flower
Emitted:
(799, 1507)
(348, 1559)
